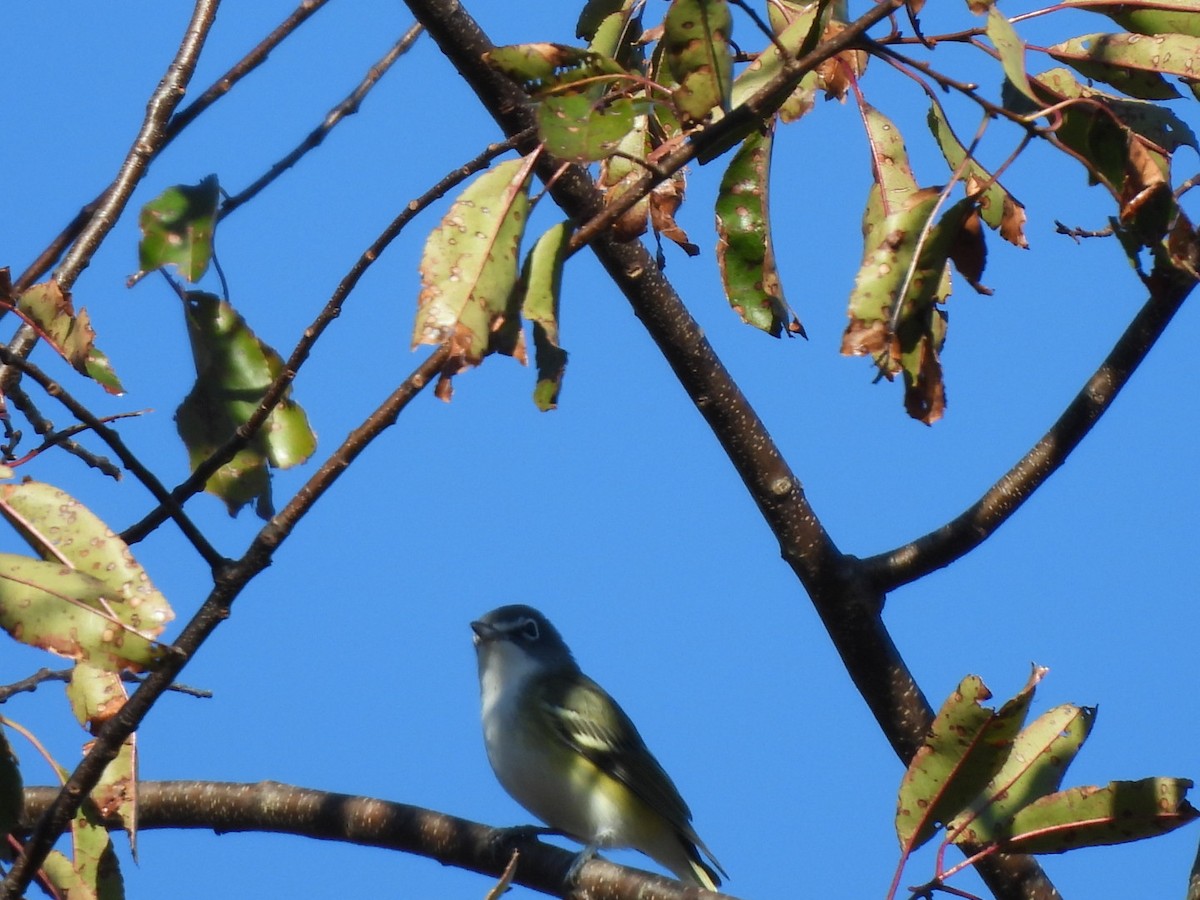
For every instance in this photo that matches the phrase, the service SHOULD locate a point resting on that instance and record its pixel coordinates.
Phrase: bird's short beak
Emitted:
(483, 632)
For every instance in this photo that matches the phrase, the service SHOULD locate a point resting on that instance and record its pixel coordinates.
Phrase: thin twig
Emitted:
(42, 676)
(228, 584)
(123, 453)
(52, 438)
(149, 139)
(274, 393)
(347, 107)
(184, 117)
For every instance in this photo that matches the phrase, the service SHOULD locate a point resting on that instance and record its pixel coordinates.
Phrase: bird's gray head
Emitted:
(521, 630)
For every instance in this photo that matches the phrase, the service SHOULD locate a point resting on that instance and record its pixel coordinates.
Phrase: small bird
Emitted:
(564, 749)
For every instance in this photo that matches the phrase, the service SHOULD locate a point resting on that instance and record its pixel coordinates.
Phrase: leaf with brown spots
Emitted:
(744, 251)
(1120, 812)
(48, 308)
(469, 267)
(696, 45)
(96, 696)
(966, 746)
(62, 530)
(999, 208)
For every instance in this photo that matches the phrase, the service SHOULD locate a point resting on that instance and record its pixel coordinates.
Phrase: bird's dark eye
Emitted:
(528, 629)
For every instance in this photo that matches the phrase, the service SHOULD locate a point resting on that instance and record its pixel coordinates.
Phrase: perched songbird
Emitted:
(568, 753)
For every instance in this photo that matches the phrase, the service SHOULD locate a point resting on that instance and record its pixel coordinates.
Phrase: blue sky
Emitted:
(348, 665)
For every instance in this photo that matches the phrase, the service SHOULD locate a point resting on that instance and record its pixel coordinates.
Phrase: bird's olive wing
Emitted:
(588, 720)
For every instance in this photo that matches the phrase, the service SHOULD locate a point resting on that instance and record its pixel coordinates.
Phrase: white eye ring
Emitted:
(528, 629)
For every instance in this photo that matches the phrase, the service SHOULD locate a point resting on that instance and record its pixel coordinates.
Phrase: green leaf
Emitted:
(696, 44)
(889, 160)
(177, 229)
(1132, 63)
(469, 267)
(53, 607)
(1120, 812)
(542, 282)
(770, 62)
(48, 308)
(577, 128)
(744, 251)
(618, 35)
(60, 529)
(998, 207)
(1011, 49)
(12, 790)
(234, 368)
(966, 746)
(893, 273)
(94, 873)
(544, 68)
(1152, 121)
(593, 15)
(1039, 760)
(96, 696)
(1156, 17)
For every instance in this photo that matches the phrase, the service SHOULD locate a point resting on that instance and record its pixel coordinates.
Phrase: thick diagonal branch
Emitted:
(849, 606)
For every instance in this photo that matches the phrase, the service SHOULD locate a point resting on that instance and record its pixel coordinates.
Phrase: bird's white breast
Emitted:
(532, 764)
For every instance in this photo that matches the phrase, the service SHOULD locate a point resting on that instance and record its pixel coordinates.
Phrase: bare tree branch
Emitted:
(975, 525)
(347, 107)
(228, 583)
(366, 822)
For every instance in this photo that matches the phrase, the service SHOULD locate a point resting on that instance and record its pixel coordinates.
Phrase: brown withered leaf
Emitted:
(865, 338)
(1012, 223)
(665, 200)
(925, 396)
(1147, 202)
(620, 173)
(839, 72)
(969, 252)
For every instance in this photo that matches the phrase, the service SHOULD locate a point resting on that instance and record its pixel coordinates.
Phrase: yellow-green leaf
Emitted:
(96, 696)
(542, 282)
(696, 43)
(1133, 63)
(60, 529)
(1117, 813)
(234, 368)
(48, 308)
(1040, 756)
(177, 229)
(469, 266)
(1000, 209)
(53, 607)
(744, 251)
(967, 744)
